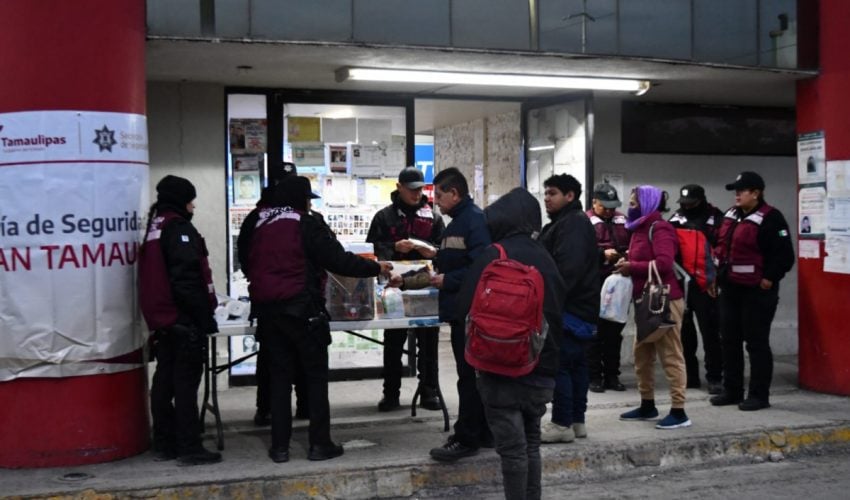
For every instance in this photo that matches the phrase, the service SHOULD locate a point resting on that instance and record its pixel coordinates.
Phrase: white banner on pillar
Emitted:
(73, 193)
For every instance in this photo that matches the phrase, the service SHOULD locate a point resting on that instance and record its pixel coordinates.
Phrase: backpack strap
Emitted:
(501, 249)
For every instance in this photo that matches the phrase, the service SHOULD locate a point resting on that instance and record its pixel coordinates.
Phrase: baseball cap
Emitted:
(691, 194)
(746, 180)
(279, 171)
(411, 178)
(607, 195)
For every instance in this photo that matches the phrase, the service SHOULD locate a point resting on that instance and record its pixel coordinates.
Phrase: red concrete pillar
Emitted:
(73, 150)
(823, 103)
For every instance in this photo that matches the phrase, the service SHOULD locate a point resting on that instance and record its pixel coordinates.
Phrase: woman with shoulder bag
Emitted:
(654, 245)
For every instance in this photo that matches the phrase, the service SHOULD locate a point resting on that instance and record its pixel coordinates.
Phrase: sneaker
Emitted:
(725, 399)
(388, 404)
(580, 430)
(550, 432)
(279, 455)
(452, 451)
(324, 451)
(673, 422)
(715, 388)
(640, 413)
(614, 384)
(201, 456)
(753, 404)
(596, 386)
(262, 418)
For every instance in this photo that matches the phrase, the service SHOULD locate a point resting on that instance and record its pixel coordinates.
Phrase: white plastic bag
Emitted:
(615, 298)
(393, 303)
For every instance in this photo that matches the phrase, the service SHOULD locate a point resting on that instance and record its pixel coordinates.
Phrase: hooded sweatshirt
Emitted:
(511, 221)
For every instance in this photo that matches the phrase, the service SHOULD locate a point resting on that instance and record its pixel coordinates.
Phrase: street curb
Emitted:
(561, 463)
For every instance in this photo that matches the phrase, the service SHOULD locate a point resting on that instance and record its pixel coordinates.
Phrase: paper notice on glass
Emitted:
(303, 129)
(837, 249)
(339, 191)
(811, 157)
(812, 202)
(367, 161)
(338, 158)
(308, 155)
(809, 249)
(378, 191)
(255, 136)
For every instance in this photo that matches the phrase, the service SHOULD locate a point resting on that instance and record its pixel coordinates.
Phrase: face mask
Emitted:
(633, 213)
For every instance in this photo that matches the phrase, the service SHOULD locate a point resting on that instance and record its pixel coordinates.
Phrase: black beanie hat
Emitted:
(175, 190)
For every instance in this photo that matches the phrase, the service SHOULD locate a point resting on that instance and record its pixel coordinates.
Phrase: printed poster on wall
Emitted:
(837, 245)
(247, 136)
(811, 158)
(303, 129)
(73, 195)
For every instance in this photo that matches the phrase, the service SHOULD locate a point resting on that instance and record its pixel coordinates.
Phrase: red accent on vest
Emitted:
(742, 257)
(155, 298)
(604, 239)
(419, 226)
(278, 262)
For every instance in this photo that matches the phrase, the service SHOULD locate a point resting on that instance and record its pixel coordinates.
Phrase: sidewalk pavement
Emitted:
(386, 454)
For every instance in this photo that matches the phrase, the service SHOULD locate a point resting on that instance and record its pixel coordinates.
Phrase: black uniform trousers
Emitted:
(704, 307)
(471, 427)
(264, 404)
(603, 352)
(426, 363)
(746, 313)
(180, 352)
(288, 341)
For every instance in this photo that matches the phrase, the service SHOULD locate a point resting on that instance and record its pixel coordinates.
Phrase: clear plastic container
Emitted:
(350, 299)
(421, 302)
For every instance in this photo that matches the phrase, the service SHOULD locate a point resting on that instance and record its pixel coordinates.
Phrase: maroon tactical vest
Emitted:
(155, 298)
(737, 246)
(419, 226)
(617, 237)
(278, 262)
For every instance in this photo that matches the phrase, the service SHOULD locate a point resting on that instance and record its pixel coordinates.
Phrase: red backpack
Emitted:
(504, 328)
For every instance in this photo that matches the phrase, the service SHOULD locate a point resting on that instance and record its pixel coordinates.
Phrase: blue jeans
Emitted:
(570, 399)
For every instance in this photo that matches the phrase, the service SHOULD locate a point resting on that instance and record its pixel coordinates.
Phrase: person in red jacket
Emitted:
(696, 223)
(653, 238)
(177, 300)
(754, 252)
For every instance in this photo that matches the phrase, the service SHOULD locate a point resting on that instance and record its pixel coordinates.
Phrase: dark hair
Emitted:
(452, 178)
(662, 203)
(564, 183)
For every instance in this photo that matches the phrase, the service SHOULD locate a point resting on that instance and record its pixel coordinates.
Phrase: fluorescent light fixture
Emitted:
(639, 87)
(542, 148)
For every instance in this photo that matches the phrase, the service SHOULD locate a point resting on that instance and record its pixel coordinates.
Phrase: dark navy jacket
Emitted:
(464, 239)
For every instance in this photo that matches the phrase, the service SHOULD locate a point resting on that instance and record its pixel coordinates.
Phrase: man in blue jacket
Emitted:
(464, 239)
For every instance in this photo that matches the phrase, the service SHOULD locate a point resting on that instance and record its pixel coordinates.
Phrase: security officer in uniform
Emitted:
(612, 240)
(177, 299)
(696, 223)
(276, 174)
(754, 252)
(409, 216)
(288, 253)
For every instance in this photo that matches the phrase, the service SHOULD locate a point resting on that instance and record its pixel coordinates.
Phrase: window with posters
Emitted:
(352, 149)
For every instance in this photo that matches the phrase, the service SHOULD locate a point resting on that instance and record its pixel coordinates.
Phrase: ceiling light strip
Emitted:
(492, 79)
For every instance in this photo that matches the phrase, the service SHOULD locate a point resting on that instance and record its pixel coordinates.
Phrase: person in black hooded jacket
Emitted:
(514, 406)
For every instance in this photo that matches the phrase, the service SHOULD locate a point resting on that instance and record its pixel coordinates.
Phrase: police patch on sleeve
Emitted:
(184, 238)
(783, 232)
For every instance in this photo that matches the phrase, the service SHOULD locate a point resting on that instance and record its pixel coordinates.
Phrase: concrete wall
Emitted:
(492, 142)
(670, 172)
(187, 138)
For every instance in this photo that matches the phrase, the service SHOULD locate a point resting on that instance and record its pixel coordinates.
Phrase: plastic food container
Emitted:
(421, 302)
(350, 299)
